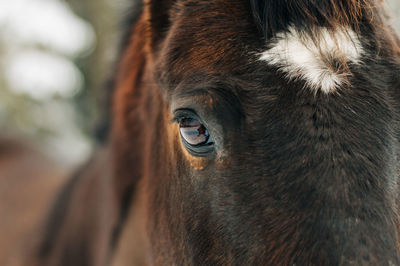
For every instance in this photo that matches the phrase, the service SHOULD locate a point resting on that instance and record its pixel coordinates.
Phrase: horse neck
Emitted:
(134, 109)
(79, 226)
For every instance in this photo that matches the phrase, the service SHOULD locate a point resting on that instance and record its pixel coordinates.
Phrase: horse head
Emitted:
(253, 133)
(264, 132)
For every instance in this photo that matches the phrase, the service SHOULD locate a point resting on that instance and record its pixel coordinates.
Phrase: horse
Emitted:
(256, 132)
(29, 180)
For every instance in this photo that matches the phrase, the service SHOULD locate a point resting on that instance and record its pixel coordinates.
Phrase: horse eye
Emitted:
(193, 132)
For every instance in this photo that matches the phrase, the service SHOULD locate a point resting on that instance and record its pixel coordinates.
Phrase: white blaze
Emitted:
(300, 57)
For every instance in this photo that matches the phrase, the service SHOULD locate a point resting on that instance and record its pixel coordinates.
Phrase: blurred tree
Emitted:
(38, 78)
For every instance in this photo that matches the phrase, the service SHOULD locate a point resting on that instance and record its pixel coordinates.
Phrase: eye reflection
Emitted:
(193, 132)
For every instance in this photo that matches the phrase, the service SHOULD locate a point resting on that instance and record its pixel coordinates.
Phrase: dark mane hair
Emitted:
(131, 16)
(274, 16)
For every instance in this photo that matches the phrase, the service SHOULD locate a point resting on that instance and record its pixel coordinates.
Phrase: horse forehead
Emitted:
(320, 58)
(210, 36)
(225, 40)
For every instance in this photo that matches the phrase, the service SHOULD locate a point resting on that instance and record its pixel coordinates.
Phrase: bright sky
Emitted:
(28, 26)
(42, 74)
(47, 22)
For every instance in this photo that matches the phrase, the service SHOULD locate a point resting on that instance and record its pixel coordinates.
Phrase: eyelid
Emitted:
(184, 113)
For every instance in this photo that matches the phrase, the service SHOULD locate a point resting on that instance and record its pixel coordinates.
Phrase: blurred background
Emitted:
(56, 59)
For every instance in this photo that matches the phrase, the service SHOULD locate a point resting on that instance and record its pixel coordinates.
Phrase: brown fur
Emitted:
(29, 182)
(300, 179)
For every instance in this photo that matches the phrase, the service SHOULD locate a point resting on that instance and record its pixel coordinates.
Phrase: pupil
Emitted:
(193, 131)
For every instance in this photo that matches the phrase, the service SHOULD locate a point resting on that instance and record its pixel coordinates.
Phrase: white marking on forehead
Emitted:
(300, 57)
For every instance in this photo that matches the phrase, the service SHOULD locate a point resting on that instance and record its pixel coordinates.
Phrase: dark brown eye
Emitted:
(193, 132)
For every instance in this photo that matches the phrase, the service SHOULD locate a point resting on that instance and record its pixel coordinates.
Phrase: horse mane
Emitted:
(272, 17)
(130, 17)
(63, 242)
